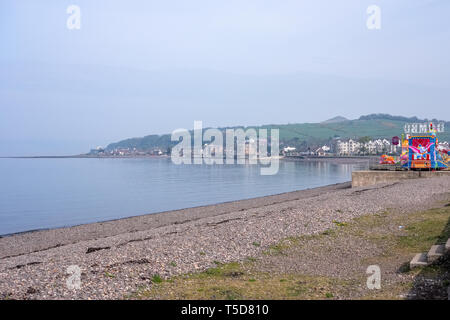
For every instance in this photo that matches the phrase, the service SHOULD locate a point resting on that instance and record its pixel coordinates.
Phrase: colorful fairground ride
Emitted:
(423, 152)
(419, 152)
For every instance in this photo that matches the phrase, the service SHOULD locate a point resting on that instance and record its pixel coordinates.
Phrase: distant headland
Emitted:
(304, 138)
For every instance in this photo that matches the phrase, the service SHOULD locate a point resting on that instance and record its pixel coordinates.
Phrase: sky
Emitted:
(140, 67)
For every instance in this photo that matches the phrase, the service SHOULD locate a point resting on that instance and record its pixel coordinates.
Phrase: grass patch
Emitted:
(219, 286)
(157, 278)
(225, 293)
(339, 224)
(432, 228)
(214, 271)
(328, 232)
(235, 280)
(281, 247)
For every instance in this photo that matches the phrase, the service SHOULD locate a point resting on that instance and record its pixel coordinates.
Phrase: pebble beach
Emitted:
(118, 257)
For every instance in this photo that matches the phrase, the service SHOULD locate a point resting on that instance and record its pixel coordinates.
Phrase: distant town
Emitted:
(124, 152)
(338, 148)
(369, 135)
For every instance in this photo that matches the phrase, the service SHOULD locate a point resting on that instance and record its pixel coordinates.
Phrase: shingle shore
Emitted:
(118, 257)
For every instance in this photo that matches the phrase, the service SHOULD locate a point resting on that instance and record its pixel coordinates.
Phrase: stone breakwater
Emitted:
(118, 257)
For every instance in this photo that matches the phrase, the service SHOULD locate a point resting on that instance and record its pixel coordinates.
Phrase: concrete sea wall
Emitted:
(372, 177)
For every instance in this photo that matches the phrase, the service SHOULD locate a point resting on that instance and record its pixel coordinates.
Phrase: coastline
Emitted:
(339, 159)
(335, 159)
(42, 239)
(119, 257)
(85, 156)
(148, 208)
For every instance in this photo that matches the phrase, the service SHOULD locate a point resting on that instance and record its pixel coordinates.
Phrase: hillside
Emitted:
(304, 135)
(335, 120)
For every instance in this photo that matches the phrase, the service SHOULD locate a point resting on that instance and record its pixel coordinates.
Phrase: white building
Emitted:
(348, 147)
(379, 146)
(289, 149)
(323, 151)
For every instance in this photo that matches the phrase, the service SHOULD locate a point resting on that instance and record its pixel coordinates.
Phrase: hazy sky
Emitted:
(140, 67)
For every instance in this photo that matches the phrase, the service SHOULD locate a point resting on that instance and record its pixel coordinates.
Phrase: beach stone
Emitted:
(436, 251)
(419, 260)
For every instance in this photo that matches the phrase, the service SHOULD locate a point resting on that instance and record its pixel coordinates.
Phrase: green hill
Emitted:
(304, 135)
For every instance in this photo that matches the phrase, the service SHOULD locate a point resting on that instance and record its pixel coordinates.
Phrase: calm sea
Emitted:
(48, 193)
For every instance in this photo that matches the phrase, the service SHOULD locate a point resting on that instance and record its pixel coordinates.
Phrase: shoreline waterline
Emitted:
(119, 257)
(52, 237)
(255, 199)
(53, 193)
